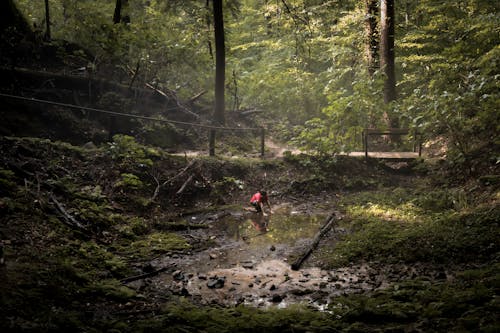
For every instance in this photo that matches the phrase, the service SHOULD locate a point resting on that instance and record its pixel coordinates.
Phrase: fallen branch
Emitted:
(324, 229)
(173, 97)
(143, 276)
(162, 185)
(186, 183)
(67, 218)
(198, 95)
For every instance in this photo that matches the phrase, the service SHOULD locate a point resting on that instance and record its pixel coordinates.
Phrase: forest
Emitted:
(133, 134)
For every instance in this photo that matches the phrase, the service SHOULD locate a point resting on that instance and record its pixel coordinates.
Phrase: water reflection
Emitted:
(259, 222)
(280, 227)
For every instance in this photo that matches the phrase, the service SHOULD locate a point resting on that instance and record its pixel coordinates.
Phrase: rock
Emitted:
(333, 278)
(148, 268)
(212, 256)
(202, 276)
(178, 275)
(216, 282)
(89, 145)
(247, 265)
(300, 292)
(272, 248)
(276, 298)
(273, 287)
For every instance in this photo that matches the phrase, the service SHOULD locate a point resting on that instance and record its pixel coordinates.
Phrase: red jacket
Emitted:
(259, 198)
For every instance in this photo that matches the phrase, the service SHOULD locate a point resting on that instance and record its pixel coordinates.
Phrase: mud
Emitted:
(249, 265)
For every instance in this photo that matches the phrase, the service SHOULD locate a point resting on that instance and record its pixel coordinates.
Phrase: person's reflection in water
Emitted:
(260, 222)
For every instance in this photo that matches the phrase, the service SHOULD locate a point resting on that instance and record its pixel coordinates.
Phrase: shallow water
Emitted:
(249, 264)
(282, 227)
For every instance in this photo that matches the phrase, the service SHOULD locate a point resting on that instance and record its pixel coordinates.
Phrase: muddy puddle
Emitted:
(248, 264)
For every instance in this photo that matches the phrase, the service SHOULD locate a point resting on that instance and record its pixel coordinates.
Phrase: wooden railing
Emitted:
(417, 137)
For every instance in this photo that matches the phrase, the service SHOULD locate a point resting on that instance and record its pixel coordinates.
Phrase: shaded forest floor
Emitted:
(127, 238)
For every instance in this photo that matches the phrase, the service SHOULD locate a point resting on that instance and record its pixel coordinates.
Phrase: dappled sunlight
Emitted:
(406, 212)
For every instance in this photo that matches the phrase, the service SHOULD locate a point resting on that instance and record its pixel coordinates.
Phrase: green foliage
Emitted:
(7, 181)
(124, 148)
(303, 62)
(153, 244)
(129, 180)
(417, 230)
(461, 305)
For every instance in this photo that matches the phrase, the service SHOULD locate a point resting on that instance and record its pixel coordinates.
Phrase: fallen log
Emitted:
(329, 222)
(143, 276)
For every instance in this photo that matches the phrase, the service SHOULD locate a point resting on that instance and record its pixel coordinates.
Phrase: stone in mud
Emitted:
(300, 292)
(333, 278)
(276, 298)
(216, 282)
(247, 264)
(178, 275)
(148, 268)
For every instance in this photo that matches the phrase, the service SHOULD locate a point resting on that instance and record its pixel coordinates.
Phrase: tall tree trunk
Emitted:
(371, 34)
(11, 17)
(209, 25)
(47, 21)
(117, 16)
(220, 69)
(387, 55)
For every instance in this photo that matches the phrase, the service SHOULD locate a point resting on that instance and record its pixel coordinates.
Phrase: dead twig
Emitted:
(186, 183)
(159, 185)
(67, 218)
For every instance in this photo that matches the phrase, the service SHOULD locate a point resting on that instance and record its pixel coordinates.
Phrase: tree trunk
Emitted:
(371, 32)
(220, 63)
(220, 68)
(11, 17)
(117, 16)
(209, 24)
(387, 55)
(47, 21)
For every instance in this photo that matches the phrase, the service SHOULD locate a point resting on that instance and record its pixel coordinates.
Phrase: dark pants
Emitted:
(256, 205)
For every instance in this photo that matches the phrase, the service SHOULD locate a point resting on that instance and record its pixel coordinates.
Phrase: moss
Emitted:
(112, 289)
(154, 244)
(7, 181)
(189, 318)
(129, 180)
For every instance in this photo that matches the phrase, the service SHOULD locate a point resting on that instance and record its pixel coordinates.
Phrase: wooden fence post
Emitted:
(262, 141)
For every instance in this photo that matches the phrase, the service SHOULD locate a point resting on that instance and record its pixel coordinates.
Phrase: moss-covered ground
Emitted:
(62, 276)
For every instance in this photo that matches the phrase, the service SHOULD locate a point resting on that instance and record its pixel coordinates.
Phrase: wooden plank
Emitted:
(384, 155)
